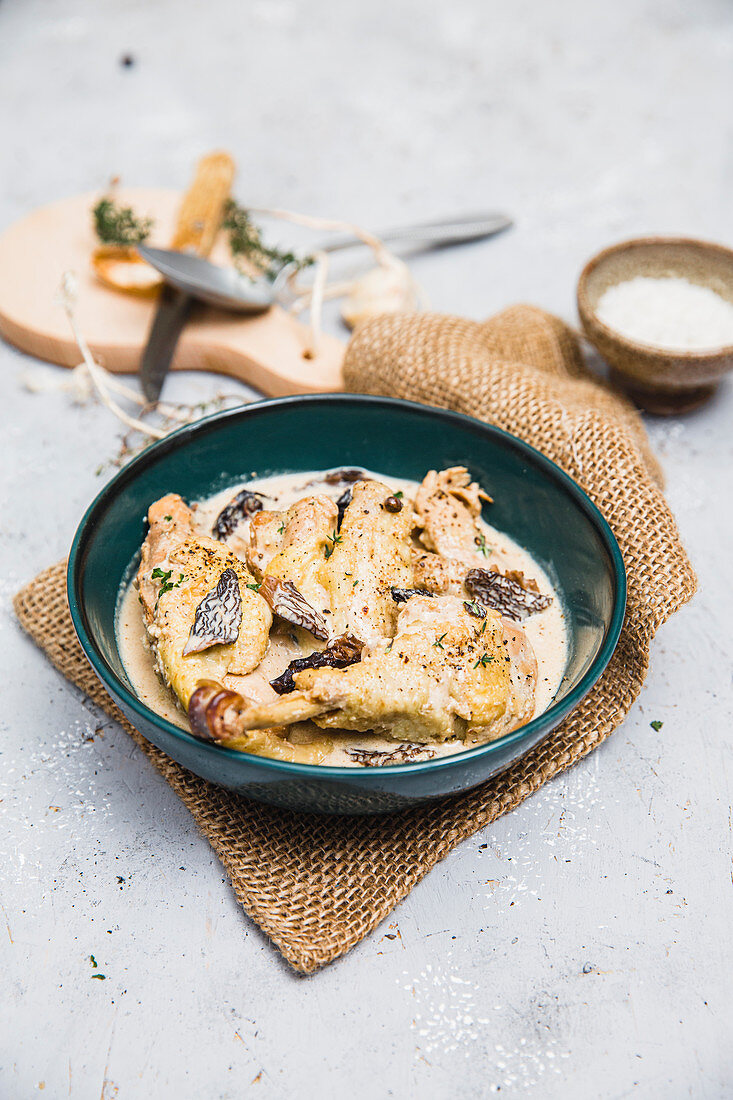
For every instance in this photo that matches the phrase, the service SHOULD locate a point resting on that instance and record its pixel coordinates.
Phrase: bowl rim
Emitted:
(178, 438)
(687, 356)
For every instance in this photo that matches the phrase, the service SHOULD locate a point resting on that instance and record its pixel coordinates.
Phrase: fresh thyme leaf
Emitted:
(483, 660)
(281, 528)
(439, 641)
(119, 225)
(354, 584)
(246, 243)
(474, 608)
(656, 725)
(334, 539)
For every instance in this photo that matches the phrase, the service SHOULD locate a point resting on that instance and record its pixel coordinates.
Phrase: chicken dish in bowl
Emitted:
(343, 617)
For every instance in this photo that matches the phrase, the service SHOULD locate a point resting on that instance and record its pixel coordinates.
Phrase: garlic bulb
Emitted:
(388, 288)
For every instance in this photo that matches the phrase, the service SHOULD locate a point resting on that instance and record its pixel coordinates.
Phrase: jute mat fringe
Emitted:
(317, 885)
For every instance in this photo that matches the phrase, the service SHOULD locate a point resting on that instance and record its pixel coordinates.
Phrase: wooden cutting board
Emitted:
(265, 351)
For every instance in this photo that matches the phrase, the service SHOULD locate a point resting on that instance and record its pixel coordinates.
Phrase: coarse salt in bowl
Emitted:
(660, 312)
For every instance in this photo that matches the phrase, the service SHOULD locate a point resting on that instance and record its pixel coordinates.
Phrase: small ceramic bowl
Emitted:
(659, 380)
(535, 502)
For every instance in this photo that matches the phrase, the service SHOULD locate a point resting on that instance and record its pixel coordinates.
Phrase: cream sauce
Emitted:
(546, 630)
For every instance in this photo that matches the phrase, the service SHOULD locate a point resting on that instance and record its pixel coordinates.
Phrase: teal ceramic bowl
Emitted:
(535, 502)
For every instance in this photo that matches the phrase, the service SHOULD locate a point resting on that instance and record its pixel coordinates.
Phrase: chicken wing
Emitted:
(448, 506)
(308, 531)
(178, 569)
(446, 674)
(369, 554)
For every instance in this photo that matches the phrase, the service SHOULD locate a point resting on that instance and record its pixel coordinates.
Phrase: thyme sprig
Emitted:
(334, 538)
(246, 243)
(115, 224)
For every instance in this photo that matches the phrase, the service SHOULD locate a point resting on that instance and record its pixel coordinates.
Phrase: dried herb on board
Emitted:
(246, 243)
(341, 652)
(290, 604)
(115, 224)
(403, 754)
(505, 594)
(245, 504)
(402, 595)
(218, 617)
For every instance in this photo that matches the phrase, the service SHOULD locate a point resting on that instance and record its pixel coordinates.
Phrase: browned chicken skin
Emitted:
(177, 570)
(446, 674)
(432, 669)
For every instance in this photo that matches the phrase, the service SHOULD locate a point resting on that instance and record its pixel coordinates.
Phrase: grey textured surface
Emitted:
(581, 947)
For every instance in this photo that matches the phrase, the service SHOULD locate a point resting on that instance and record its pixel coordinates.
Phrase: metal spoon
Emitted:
(227, 288)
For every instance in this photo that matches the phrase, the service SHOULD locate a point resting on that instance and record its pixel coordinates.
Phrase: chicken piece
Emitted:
(523, 671)
(309, 530)
(444, 576)
(445, 674)
(265, 537)
(369, 554)
(448, 506)
(177, 570)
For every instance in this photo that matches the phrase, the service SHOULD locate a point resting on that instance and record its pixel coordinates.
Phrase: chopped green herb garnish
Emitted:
(354, 584)
(281, 528)
(474, 608)
(656, 725)
(483, 660)
(255, 587)
(480, 541)
(93, 961)
(399, 494)
(168, 518)
(439, 641)
(102, 977)
(166, 584)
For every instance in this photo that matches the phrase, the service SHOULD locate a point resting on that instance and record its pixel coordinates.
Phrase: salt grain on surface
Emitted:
(669, 312)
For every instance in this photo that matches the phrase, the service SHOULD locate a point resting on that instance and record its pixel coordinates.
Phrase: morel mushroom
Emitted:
(505, 595)
(402, 595)
(344, 476)
(244, 505)
(218, 617)
(406, 753)
(342, 504)
(342, 651)
(290, 604)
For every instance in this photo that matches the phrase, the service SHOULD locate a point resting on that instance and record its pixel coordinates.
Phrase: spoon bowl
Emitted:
(223, 287)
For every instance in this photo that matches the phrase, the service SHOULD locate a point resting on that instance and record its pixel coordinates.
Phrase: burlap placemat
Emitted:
(318, 885)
